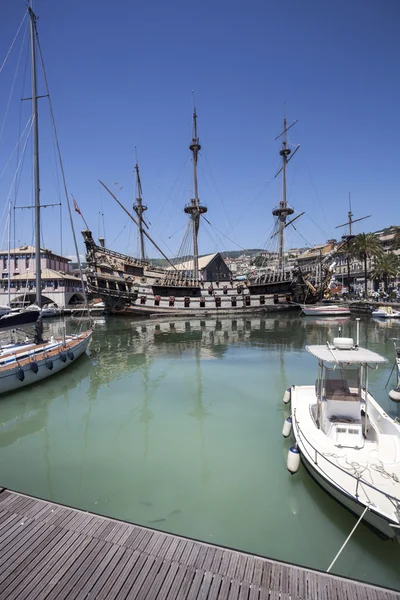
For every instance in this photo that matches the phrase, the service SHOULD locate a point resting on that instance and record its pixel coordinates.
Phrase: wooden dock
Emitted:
(49, 552)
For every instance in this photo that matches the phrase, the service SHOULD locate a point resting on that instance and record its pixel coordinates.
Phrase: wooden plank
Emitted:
(171, 592)
(217, 560)
(200, 556)
(215, 586)
(22, 543)
(111, 572)
(110, 525)
(226, 559)
(248, 572)
(232, 565)
(137, 539)
(141, 547)
(85, 570)
(165, 546)
(72, 555)
(135, 578)
(8, 522)
(266, 574)
(115, 582)
(4, 496)
(171, 548)
(163, 581)
(234, 591)
(122, 539)
(13, 537)
(257, 572)
(179, 550)
(161, 539)
(196, 583)
(32, 584)
(240, 567)
(254, 592)
(244, 591)
(205, 586)
(72, 575)
(208, 559)
(143, 590)
(16, 562)
(28, 564)
(193, 555)
(225, 588)
(186, 552)
(187, 580)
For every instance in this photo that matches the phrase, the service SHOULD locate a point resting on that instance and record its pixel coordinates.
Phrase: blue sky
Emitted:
(121, 75)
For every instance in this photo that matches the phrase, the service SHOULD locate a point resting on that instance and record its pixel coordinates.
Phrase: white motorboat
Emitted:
(4, 309)
(386, 312)
(329, 310)
(395, 393)
(50, 310)
(346, 441)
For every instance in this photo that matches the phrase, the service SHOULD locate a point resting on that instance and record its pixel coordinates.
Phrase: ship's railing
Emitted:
(128, 259)
(314, 455)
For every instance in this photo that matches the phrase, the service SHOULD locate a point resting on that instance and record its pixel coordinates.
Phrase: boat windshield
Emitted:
(342, 384)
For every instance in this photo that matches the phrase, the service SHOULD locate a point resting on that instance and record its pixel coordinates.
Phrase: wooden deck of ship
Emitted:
(49, 551)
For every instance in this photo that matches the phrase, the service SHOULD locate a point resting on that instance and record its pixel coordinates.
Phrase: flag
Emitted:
(76, 207)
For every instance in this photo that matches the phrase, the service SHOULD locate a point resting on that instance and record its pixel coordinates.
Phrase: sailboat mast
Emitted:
(195, 209)
(139, 209)
(350, 217)
(283, 211)
(32, 17)
(284, 153)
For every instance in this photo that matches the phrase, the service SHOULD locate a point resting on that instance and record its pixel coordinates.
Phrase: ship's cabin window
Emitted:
(247, 300)
(217, 301)
(202, 302)
(262, 299)
(233, 300)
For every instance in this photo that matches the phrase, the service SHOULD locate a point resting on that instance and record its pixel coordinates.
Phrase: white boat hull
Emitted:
(10, 382)
(380, 524)
(326, 311)
(383, 314)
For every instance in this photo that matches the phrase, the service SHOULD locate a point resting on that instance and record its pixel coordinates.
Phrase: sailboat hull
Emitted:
(16, 374)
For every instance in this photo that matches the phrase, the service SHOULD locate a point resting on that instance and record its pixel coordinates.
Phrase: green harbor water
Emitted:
(177, 425)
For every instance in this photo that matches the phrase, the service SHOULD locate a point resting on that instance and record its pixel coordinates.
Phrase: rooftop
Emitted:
(355, 356)
(30, 250)
(188, 264)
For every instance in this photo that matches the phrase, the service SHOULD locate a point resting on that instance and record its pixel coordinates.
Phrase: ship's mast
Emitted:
(283, 210)
(139, 209)
(32, 17)
(195, 209)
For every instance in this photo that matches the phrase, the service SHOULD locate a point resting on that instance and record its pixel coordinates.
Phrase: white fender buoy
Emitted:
(395, 394)
(287, 427)
(293, 460)
(287, 396)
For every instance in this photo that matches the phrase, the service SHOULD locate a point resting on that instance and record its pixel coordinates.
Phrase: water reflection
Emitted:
(177, 424)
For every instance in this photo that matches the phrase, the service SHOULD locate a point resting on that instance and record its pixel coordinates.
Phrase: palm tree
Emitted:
(386, 267)
(364, 246)
(347, 252)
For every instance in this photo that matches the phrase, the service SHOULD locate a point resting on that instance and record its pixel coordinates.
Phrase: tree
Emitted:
(365, 246)
(396, 240)
(386, 267)
(347, 252)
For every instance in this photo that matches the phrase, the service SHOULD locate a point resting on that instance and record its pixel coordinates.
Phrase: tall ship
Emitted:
(198, 284)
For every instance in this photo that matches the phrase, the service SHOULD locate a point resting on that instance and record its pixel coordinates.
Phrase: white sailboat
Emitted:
(33, 360)
(346, 441)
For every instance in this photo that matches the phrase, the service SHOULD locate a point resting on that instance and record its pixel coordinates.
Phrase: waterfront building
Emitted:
(59, 284)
